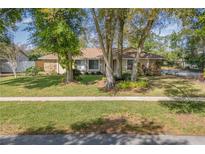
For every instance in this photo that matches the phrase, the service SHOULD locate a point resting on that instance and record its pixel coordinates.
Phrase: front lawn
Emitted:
(88, 85)
(49, 86)
(169, 86)
(102, 117)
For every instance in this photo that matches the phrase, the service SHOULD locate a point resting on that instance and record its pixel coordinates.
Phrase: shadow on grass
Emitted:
(104, 132)
(180, 88)
(185, 106)
(114, 124)
(41, 82)
(31, 82)
(89, 79)
(119, 124)
(174, 86)
(44, 130)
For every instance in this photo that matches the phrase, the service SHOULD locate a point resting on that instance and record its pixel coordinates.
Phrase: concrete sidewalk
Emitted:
(101, 139)
(102, 98)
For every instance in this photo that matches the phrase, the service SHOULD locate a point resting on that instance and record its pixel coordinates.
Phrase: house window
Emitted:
(129, 64)
(93, 64)
(79, 62)
(80, 65)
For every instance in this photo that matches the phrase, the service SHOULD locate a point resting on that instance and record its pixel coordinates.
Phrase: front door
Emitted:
(114, 66)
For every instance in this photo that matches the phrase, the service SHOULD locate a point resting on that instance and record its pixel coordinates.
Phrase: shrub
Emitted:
(129, 84)
(76, 72)
(126, 76)
(33, 71)
(98, 73)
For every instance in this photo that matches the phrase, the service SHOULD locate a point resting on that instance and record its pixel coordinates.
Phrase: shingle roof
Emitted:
(143, 55)
(96, 53)
(130, 53)
(90, 53)
(49, 57)
(86, 53)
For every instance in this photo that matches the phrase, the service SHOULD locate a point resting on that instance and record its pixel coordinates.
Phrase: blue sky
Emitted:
(21, 36)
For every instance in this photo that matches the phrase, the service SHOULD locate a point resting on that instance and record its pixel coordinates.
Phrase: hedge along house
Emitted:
(91, 61)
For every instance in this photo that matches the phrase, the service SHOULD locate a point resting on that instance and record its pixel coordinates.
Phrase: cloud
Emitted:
(27, 20)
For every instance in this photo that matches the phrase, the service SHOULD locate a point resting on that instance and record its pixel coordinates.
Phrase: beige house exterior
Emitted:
(91, 60)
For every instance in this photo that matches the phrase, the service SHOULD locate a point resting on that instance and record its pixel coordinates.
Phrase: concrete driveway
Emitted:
(101, 139)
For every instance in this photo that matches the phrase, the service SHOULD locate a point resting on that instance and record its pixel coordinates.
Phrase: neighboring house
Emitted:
(22, 64)
(91, 60)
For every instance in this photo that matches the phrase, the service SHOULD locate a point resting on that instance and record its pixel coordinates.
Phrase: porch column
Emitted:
(85, 65)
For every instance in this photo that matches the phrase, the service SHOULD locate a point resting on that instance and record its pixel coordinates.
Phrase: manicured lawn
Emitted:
(88, 85)
(49, 86)
(102, 117)
(170, 86)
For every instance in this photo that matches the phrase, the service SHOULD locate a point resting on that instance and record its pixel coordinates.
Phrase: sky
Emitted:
(22, 37)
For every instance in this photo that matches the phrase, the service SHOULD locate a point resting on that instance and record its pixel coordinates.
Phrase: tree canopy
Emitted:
(57, 31)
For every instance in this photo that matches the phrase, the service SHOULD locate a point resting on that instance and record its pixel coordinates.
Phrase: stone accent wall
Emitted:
(40, 64)
(50, 67)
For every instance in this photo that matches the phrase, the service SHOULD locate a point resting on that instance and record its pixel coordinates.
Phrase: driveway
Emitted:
(182, 73)
(101, 139)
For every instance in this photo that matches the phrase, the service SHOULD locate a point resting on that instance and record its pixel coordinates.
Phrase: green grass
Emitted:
(101, 117)
(169, 86)
(87, 86)
(89, 79)
(49, 86)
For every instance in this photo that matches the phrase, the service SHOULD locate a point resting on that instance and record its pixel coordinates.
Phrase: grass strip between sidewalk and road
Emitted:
(177, 118)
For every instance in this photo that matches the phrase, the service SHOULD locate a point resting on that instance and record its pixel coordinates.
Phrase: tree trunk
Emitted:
(69, 75)
(110, 82)
(144, 35)
(203, 62)
(109, 72)
(13, 68)
(69, 69)
(122, 15)
(14, 73)
(120, 49)
(105, 46)
(119, 66)
(135, 65)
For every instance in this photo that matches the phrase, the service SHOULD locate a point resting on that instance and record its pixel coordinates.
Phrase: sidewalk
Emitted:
(102, 98)
(101, 139)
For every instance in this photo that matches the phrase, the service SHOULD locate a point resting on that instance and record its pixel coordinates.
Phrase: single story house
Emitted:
(91, 60)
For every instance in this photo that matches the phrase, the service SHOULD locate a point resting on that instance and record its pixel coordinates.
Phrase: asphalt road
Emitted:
(101, 139)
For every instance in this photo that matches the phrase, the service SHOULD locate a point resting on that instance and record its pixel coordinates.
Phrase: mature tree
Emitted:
(35, 53)
(191, 39)
(196, 41)
(10, 53)
(143, 21)
(121, 17)
(57, 31)
(8, 19)
(105, 23)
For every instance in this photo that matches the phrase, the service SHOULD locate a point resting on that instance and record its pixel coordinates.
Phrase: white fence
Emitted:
(21, 67)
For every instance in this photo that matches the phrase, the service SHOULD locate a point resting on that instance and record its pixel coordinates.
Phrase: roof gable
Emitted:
(96, 53)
